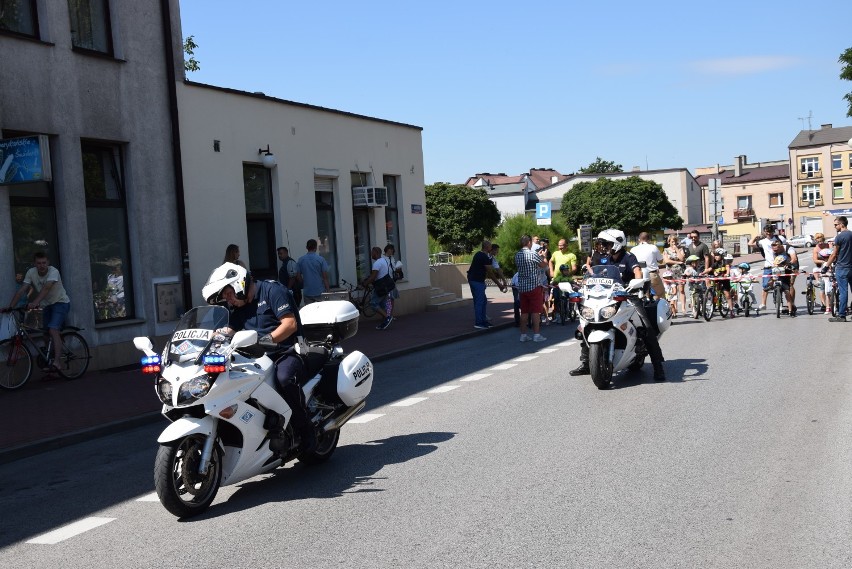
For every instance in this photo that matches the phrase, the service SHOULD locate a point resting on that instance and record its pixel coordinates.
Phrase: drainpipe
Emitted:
(178, 162)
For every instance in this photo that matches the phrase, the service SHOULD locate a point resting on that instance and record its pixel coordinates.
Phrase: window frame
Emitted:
(118, 203)
(834, 193)
(836, 161)
(780, 201)
(33, 12)
(77, 45)
(809, 160)
(392, 214)
(815, 189)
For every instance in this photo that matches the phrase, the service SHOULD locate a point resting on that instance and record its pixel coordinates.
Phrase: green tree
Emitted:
(846, 74)
(601, 166)
(509, 237)
(630, 204)
(459, 216)
(189, 47)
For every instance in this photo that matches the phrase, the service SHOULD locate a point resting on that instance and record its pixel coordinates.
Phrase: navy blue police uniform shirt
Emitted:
(264, 313)
(625, 266)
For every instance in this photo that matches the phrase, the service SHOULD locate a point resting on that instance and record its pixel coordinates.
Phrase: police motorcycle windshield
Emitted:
(603, 273)
(195, 332)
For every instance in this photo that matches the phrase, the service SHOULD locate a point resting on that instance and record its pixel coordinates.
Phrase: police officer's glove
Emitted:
(267, 342)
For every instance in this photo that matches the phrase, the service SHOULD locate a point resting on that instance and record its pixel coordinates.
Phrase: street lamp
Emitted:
(268, 159)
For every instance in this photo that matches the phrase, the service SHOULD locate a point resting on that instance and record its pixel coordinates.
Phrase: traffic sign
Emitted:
(543, 213)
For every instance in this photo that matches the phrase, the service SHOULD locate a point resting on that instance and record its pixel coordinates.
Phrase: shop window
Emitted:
(106, 218)
(19, 17)
(260, 221)
(327, 237)
(90, 26)
(393, 230)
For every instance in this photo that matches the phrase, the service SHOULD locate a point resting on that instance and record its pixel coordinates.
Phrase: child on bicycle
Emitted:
(720, 271)
(671, 290)
(564, 276)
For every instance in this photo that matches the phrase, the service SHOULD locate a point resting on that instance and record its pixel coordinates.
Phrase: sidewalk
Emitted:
(50, 413)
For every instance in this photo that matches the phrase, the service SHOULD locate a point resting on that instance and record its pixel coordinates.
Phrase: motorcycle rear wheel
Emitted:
(599, 365)
(326, 443)
(181, 489)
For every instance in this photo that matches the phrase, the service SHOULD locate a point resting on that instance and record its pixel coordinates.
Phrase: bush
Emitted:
(514, 226)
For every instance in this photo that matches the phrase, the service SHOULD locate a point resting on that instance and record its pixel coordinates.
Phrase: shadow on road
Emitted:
(351, 470)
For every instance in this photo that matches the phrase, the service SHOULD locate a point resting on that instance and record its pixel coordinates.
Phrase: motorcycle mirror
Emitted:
(244, 338)
(143, 344)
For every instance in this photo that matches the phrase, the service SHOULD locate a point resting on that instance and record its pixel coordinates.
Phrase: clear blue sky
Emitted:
(509, 86)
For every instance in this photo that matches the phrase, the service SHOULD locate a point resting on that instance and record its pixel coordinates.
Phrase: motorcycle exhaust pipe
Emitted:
(340, 420)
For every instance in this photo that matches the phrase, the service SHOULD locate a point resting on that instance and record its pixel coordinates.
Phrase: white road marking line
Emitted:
(443, 389)
(476, 377)
(152, 497)
(524, 358)
(409, 402)
(63, 533)
(502, 367)
(365, 418)
(568, 343)
(547, 351)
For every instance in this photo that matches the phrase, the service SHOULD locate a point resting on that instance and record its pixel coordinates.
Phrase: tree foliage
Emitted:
(459, 216)
(630, 204)
(846, 74)
(601, 166)
(189, 47)
(509, 237)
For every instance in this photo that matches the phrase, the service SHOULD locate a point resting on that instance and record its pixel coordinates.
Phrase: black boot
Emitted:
(582, 369)
(659, 372)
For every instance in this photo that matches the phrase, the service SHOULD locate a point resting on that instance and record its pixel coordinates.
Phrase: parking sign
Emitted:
(542, 213)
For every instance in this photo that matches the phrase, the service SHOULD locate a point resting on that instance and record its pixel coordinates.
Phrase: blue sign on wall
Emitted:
(25, 159)
(543, 213)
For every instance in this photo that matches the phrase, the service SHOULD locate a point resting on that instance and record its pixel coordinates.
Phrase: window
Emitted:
(836, 161)
(394, 233)
(810, 166)
(260, 221)
(811, 193)
(106, 218)
(361, 223)
(20, 17)
(743, 202)
(327, 236)
(838, 190)
(90, 27)
(776, 200)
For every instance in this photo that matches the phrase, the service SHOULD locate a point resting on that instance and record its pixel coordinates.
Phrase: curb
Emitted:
(27, 450)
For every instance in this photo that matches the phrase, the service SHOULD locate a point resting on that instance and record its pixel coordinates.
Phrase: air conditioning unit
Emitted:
(369, 196)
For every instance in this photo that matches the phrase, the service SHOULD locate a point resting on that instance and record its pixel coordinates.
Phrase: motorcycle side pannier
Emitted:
(335, 318)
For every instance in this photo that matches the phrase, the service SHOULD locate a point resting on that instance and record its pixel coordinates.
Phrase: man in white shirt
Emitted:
(765, 245)
(649, 257)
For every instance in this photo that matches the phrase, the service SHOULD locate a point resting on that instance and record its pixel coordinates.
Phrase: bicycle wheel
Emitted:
(776, 297)
(709, 306)
(722, 305)
(810, 297)
(697, 303)
(75, 356)
(16, 364)
(364, 305)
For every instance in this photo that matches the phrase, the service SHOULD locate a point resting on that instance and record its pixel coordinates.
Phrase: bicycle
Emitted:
(699, 290)
(360, 300)
(16, 353)
(810, 294)
(708, 308)
(568, 301)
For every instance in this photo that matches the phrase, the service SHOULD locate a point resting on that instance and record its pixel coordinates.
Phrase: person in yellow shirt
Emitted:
(562, 257)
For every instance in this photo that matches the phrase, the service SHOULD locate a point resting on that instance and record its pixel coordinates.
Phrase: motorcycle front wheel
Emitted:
(326, 443)
(599, 365)
(182, 490)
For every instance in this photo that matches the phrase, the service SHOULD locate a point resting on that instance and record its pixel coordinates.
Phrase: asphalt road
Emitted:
(486, 454)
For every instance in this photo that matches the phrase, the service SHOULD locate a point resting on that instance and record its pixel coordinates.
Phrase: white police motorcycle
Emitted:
(611, 326)
(220, 395)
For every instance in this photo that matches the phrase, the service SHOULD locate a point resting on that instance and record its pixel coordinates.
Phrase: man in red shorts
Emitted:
(530, 266)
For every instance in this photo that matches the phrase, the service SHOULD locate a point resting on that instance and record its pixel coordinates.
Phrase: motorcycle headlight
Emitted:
(608, 312)
(164, 391)
(588, 313)
(195, 388)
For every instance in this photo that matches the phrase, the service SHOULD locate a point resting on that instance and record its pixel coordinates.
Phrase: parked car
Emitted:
(802, 241)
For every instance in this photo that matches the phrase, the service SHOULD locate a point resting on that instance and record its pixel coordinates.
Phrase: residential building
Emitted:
(515, 194)
(679, 185)
(822, 185)
(750, 196)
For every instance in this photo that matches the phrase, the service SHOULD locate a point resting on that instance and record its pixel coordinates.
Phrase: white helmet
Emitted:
(614, 236)
(229, 274)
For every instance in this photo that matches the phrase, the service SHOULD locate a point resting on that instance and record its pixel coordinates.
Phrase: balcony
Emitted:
(807, 202)
(743, 214)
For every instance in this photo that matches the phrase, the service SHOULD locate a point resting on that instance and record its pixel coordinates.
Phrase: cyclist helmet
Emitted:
(228, 274)
(613, 236)
(666, 274)
(721, 252)
(729, 257)
(564, 268)
(692, 258)
(744, 266)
